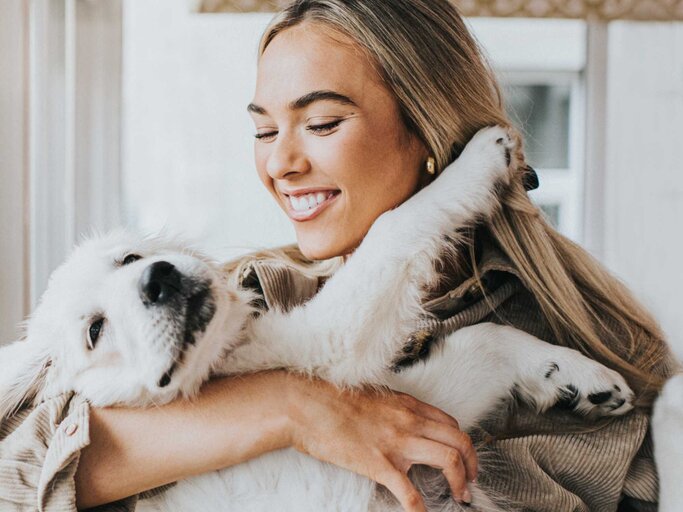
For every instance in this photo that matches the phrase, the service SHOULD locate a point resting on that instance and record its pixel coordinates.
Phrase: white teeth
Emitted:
(308, 201)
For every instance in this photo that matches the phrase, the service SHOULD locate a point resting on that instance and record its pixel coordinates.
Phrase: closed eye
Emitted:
(324, 129)
(265, 135)
(317, 129)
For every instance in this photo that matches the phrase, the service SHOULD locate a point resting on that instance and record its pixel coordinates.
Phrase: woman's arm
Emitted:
(235, 419)
(133, 450)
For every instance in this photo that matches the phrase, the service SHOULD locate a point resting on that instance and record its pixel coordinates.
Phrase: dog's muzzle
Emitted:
(159, 283)
(190, 304)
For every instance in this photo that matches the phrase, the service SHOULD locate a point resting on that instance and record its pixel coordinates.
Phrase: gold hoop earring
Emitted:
(431, 166)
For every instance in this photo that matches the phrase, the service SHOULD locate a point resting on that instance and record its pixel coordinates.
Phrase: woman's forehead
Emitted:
(306, 58)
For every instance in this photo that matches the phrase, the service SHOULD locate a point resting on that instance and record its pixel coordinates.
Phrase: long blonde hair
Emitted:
(446, 92)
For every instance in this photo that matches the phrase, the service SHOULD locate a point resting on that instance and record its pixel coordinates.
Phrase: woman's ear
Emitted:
(23, 368)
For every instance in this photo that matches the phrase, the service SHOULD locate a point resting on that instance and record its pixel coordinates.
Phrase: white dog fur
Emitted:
(350, 333)
(667, 433)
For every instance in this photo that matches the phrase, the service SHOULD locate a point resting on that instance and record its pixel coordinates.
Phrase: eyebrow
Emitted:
(307, 99)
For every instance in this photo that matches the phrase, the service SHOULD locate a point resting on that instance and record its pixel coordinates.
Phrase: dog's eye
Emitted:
(94, 332)
(130, 258)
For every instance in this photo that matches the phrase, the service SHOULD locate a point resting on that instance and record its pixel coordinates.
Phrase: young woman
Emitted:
(358, 105)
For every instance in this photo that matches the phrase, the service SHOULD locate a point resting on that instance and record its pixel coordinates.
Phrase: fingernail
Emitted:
(467, 496)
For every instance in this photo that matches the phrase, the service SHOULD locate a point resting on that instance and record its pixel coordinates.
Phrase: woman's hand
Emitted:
(379, 435)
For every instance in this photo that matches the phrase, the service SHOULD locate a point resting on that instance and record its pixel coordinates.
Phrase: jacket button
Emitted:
(71, 429)
(474, 289)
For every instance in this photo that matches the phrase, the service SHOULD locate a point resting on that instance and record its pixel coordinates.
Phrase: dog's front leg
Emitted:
(352, 331)
(549, 374)
(478, 367)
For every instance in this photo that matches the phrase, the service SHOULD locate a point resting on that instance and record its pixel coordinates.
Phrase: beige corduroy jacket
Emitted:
(551, 468)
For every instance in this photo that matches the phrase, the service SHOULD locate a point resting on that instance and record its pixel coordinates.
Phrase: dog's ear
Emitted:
(23, 368)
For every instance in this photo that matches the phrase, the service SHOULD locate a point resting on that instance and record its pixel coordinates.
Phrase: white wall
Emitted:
(644, 180)
(187, 80)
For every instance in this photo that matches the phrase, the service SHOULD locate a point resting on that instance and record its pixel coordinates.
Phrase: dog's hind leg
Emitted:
(353, 329)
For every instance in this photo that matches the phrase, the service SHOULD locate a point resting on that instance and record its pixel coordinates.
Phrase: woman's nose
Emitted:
(286, 158)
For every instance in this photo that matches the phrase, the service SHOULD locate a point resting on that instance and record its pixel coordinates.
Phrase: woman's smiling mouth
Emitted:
(304, 205)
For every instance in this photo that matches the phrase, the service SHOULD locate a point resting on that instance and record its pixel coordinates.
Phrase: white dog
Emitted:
(139, 321)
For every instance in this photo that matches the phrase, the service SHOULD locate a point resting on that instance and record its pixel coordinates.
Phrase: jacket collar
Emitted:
(284, 287)
(494, 269)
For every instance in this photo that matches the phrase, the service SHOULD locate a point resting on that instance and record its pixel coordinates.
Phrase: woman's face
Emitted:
(330, 144)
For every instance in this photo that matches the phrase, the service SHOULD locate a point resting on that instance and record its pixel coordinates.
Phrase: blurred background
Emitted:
(133, 112)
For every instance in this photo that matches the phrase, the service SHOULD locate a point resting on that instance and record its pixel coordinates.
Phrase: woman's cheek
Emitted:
(343, 156)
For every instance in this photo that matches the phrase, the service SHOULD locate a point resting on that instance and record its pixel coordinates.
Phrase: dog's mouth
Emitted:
(200, 309)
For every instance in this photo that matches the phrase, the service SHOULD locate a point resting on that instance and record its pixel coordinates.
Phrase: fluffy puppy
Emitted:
(135, 321)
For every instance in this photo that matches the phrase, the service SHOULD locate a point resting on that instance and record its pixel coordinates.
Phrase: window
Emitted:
(546, 108)
(541, 69)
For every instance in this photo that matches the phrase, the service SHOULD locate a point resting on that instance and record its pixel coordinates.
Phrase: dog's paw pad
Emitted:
(506, 139)
(609, 402)
(600, 397)
(590, 388)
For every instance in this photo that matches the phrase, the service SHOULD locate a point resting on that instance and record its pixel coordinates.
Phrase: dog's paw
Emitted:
(487, 157)
(573, 381)
(481, 170)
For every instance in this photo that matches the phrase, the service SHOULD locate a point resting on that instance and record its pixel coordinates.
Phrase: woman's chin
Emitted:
(316, 252)
(315, 248)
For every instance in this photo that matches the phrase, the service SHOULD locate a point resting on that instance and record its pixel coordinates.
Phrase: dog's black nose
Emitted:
(159, 283)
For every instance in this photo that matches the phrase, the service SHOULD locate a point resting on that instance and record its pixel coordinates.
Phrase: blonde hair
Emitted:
(446, 92)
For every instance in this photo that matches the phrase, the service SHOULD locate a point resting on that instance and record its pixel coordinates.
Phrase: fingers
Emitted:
(449, 460)
(445, 429)
(400, 486)
(455, 439)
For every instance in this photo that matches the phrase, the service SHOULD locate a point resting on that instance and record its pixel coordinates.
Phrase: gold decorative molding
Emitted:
(604, 10)
(210, 6)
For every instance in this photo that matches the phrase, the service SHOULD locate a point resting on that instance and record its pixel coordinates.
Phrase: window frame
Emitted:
(561, 186)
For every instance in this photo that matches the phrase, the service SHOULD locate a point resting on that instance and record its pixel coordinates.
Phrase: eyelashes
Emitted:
(320, 129)
(267, 135)
(316, 129)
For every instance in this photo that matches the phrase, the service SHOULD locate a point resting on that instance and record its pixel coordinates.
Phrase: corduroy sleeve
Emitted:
(39, 450)
(39, 453)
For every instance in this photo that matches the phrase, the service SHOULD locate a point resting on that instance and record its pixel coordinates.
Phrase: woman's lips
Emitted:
(304, 211)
